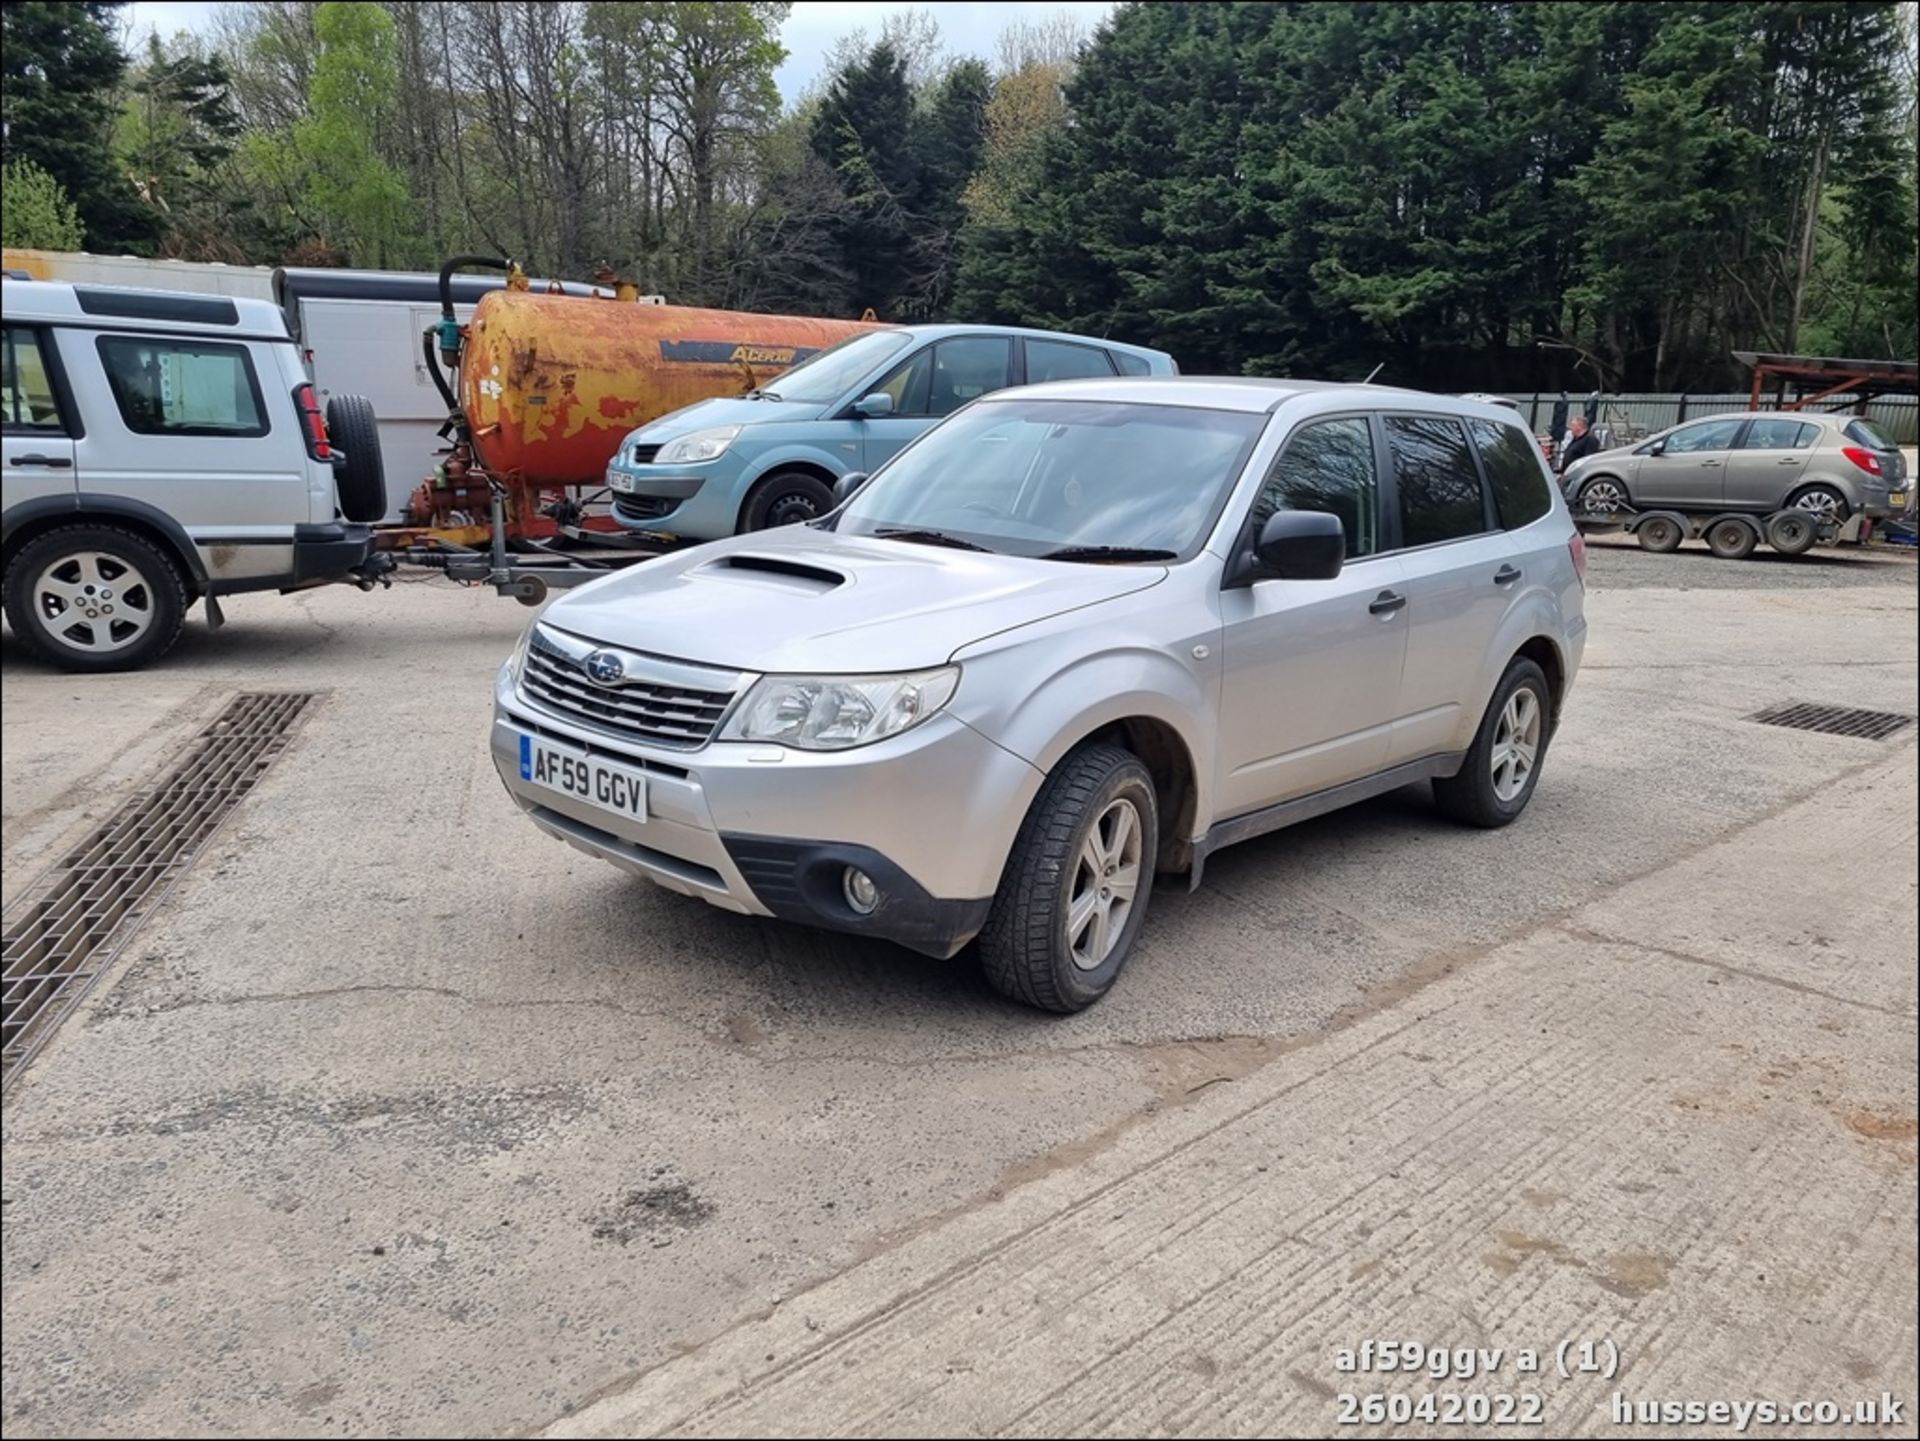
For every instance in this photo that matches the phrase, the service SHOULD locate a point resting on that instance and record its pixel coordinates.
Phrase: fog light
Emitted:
(862, 894)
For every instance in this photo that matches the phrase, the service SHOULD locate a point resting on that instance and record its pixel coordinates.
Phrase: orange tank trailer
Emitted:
(550, 384)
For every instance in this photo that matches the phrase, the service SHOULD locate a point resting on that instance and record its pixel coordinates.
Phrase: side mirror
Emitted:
(1659, 447)
(846, 485)
(874, 406)
(1295, 545)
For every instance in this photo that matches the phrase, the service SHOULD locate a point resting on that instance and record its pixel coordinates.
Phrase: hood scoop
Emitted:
(778, 571)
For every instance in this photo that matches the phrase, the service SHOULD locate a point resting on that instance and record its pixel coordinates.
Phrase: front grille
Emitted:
(643, 507)
(642, 454)
(640, 709)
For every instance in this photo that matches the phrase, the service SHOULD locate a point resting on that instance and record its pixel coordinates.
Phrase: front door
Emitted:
(1767, 467)
(1691, 468)
(37, 443)
(1311, 668)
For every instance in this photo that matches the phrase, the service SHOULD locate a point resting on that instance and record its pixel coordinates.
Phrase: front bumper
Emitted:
(930, 815)
(698, 502)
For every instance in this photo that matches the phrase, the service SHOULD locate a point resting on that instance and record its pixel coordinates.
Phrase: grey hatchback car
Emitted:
(1076, 637)
(1836, 466)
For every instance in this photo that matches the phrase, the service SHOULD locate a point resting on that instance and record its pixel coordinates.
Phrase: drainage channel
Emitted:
(65, 929)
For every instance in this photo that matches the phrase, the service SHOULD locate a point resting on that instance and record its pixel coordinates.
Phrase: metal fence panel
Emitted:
(1641, 413)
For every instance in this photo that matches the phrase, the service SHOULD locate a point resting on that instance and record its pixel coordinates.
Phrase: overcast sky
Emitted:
(809, 34)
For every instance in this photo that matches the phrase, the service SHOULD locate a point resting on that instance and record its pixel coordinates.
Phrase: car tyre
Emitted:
(1502, 766)
(362, 481)
(786, 497)
(1825, 503)
(1094, 822)
(1660, 535)
(95, 598)
(1604, 495)
(1732, 539)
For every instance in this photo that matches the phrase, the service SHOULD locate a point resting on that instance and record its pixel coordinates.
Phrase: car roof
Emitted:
(944, 330)
(124, 307)
(1253, 394)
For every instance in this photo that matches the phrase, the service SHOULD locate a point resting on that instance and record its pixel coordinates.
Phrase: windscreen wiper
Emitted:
(926, 537)
(1108, 552)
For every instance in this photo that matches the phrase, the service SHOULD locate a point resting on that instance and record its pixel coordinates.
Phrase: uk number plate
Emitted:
(612, 787)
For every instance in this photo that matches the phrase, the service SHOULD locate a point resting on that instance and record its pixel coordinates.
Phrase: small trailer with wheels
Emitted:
(1729, 534)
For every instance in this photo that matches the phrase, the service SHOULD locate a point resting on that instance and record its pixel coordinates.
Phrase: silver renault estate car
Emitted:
(1836, 466)
(1072, 640)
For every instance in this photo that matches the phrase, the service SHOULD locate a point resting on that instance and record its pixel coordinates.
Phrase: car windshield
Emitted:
(826, 376)
(1076, 480)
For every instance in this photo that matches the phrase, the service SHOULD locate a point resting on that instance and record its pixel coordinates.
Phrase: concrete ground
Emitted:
(400, 1118)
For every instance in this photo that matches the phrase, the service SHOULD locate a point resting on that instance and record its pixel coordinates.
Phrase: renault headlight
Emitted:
(835, 712)
(697, 445)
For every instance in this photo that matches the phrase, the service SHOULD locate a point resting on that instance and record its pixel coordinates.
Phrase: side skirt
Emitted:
(1318, 803)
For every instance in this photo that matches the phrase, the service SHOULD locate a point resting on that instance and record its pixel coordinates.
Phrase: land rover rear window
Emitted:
(183, 387)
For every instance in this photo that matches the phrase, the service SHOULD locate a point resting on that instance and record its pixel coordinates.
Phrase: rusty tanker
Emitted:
(547, 385)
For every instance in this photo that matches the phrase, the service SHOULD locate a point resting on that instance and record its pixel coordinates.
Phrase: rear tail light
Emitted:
(1577, 548)
(1865, 459)
(312, 421)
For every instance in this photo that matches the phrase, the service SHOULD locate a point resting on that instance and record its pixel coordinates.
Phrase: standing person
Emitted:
(1580, 446)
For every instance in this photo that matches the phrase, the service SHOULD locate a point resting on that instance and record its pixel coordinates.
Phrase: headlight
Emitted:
(697, 445)
(832, 712)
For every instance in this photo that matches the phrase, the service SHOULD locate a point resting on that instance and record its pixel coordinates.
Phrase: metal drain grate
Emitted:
(1834, 720)
(62, 933)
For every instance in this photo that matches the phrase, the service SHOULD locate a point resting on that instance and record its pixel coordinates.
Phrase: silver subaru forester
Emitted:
(1075, 638)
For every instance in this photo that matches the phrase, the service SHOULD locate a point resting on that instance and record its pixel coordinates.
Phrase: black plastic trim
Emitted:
(801, 881)
(1318, 803)
(329, 549)
(144, 305)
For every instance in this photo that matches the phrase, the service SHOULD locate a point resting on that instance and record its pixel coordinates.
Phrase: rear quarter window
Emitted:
(1522, 492)
(165, 386)
(1130, 364)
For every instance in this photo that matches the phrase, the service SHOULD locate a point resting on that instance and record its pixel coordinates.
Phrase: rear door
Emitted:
(1311, 668)
(930, 385)
(38, 421)
(1691, 468)
(1461, 573)
(1769, 463)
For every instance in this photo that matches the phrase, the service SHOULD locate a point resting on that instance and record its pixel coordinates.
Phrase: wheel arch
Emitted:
(30, 519)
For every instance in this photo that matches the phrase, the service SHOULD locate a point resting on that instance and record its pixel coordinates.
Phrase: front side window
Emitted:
(1440, 497)
(1521, 490)
(1328, 466)
(1057, 360)
(183, 387)
(1779, 435)
(1128, 482)
(25, 388)
(1708, 435)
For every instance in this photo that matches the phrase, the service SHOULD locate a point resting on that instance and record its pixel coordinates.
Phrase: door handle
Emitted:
(1709, 462)
(1506, 575)
(55, 462)
(1386, 603)
(1790, 460)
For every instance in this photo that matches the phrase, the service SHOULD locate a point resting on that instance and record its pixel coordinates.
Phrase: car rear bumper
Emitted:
(929, 815)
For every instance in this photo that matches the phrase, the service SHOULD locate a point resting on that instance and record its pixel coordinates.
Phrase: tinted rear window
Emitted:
(1440, 495)
(1865, 432)
(1521, 491)
(1130, 364)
